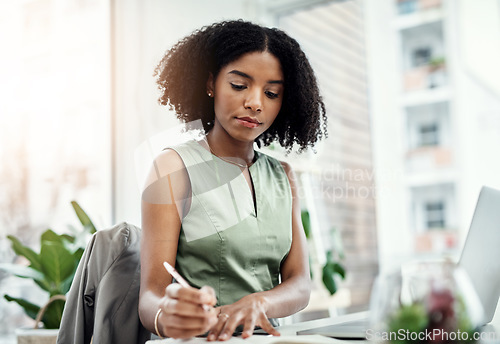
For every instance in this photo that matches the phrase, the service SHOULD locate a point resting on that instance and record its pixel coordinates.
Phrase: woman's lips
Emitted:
(247, 124)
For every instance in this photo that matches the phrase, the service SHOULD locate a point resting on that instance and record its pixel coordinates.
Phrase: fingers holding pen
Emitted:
(203, 296)
(208, 296)
(176, 326)
(186, 311)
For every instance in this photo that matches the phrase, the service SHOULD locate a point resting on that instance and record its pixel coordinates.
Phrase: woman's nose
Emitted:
(254, 101)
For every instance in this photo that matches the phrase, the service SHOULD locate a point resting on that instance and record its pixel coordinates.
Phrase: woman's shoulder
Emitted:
(178, 151)
(168, 160)
(172, 158)
(183, 145)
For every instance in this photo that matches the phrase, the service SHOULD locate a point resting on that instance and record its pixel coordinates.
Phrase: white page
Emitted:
(257, 339)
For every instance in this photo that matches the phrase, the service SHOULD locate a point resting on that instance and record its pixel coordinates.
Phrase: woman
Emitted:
(224, 214)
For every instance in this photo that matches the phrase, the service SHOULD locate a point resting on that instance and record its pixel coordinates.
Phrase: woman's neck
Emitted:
(223, 145)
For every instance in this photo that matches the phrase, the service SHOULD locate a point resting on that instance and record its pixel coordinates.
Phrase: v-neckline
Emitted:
(252, 191)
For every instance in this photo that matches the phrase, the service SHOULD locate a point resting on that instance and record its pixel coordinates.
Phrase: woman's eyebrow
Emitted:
(245, 75)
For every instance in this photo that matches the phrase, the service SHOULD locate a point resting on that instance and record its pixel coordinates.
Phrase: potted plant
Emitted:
(425, 302)
(437, 72)
(333, 269)
(53, 270)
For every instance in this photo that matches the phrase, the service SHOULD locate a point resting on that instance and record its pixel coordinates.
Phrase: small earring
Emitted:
(210, 94)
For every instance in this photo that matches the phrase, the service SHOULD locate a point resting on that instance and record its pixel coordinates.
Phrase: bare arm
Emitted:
(182, 315)
(285, 299)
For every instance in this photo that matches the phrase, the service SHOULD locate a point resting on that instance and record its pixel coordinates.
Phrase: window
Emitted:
(407, 6)
(428, 125)
(435, 215)
(421, 56)
(54, 128)
(429, 134)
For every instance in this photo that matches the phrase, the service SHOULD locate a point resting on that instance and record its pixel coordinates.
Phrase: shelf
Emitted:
(408, 21)
(426, 96)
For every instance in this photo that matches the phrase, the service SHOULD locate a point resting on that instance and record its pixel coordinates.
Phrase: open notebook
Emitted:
(316, 339)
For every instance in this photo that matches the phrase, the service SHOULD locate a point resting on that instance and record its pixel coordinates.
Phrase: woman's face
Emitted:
(248, 93)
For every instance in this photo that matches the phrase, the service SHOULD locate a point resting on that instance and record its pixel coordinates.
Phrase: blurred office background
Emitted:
(412, 90)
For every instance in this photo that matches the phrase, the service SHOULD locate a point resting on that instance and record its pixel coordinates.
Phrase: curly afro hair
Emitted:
(184, 70)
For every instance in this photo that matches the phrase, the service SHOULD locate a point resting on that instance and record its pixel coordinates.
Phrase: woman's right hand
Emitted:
(186, 312)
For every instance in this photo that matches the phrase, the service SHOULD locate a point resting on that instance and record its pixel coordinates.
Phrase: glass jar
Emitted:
(425, 302)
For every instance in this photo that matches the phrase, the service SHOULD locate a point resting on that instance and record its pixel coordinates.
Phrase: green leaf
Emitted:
(27, 252)
(44, 284)
(83, 217)
(328, 279)
(77, 255)
(21, 271)
(66, 284)
(50, 235)
(339, 269)
(409, 317)
(68, 238)
(306, 223)
(81, 240)
(30, 308)
(336, 267)
(311, 274)
(53, 314)
(52, 269)
(332, 268)
(57, 262)
(337, 242)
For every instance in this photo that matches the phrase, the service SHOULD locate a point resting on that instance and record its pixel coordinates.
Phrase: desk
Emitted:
(287, 332)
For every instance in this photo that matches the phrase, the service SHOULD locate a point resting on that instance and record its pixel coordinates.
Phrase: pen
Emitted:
(171, 270)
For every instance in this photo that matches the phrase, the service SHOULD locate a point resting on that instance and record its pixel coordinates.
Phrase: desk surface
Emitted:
(288, 333)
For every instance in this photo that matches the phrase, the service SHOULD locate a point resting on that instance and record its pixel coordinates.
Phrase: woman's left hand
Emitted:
(250, 311)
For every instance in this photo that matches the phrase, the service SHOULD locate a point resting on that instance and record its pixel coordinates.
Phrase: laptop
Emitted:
(480, 260)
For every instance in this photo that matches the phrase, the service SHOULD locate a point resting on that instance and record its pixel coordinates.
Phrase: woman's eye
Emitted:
(271, 95)
(238, 87)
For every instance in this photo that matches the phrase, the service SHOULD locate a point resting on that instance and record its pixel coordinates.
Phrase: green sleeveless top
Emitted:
(225, 242)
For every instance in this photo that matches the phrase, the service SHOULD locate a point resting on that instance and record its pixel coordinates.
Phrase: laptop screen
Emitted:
(481, 253)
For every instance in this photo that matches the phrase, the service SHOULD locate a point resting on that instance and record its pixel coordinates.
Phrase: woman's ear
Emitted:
(210, 85)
